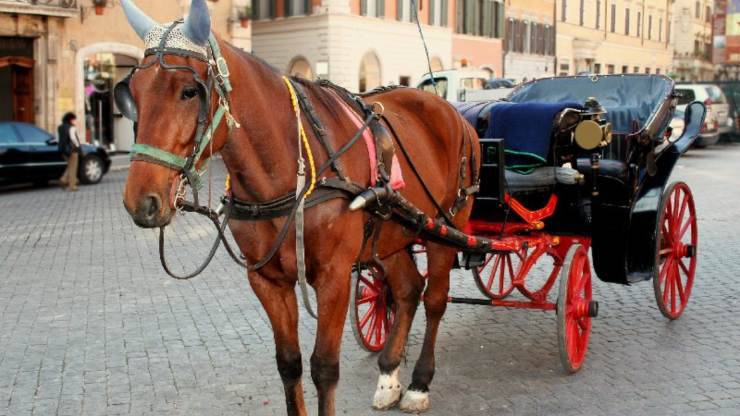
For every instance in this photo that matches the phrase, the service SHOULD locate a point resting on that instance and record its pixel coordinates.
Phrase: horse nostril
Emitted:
(151, 206)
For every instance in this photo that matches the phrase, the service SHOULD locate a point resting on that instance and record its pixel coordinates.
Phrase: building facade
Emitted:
(66, 55)
(614, 36)
(694, 38)
(361, 44)
(530, 39)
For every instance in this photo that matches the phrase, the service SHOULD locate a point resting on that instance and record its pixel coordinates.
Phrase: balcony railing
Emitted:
(61, 8)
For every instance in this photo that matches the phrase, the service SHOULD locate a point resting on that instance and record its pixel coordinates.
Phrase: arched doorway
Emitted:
(98, 68)
(300, 67)
(370, 76)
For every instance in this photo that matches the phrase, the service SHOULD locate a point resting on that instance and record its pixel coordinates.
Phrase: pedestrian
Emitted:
(69, 145)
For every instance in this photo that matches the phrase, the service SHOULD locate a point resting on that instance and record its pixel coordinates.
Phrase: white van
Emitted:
(452, 84)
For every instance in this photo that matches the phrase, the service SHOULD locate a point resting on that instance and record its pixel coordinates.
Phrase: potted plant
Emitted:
(244, 13)
(99, 6)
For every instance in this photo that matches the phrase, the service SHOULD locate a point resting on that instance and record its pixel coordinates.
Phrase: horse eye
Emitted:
(188, 93)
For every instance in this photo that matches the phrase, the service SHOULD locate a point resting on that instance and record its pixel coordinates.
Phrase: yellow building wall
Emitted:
(584, 48)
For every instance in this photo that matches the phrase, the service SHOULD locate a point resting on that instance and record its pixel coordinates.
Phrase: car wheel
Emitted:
(91, 171)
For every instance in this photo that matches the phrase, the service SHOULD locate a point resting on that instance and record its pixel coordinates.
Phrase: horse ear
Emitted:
(140, 22)
(198, 23)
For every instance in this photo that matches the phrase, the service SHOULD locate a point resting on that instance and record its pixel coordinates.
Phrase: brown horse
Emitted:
(261, 160)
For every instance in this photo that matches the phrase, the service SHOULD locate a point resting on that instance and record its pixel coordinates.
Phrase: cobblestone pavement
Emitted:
(89, 324)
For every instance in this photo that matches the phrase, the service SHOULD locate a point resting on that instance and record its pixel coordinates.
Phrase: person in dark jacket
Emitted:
(69, 145)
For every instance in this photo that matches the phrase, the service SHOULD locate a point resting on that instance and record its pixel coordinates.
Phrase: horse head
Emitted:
(169, 98)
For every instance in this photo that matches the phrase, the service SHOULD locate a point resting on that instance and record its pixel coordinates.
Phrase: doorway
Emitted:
(16, 80)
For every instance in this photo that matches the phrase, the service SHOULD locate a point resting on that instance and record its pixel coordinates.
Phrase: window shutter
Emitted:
(598, 14)
(288, 7)
(563, 9)
(460, 16)
(399, 10)
(363, 7)
(500, 19)
(443, 13)
(256, 14)
(380, 8)
(431, 21)
(273, 9)
(307, 7)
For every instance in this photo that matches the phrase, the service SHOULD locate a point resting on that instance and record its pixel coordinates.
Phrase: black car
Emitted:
(29, 154)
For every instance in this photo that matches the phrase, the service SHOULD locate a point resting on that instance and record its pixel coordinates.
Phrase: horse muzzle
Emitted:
(150, 212)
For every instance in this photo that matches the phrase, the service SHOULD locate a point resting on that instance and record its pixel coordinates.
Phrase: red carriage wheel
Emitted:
(371, 310)
(495, 277)
(575, 308)
(676, 250)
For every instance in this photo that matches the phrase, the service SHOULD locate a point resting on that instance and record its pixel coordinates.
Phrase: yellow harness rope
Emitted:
(304, 139)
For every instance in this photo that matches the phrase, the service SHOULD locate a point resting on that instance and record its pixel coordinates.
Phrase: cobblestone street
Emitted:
(90, 324)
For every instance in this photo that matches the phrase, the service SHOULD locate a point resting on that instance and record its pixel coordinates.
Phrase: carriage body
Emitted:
(608, 196)
(615, 207)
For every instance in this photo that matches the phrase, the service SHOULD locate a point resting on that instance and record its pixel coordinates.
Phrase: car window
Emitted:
(472, 83)
(441, 86)
(7, 134)
(32, 134)
(716, 95)
(685, 96)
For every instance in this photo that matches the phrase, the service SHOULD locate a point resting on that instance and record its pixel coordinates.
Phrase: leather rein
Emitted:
(288, 205)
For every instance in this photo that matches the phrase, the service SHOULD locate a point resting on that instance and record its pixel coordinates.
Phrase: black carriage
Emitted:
(568, 164)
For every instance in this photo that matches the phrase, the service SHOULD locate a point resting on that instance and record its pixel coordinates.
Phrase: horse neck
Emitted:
(261, 155)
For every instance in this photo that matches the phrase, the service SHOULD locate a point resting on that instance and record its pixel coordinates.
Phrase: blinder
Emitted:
(125, 100)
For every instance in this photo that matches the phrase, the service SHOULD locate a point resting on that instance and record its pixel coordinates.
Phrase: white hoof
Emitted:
(388, 392)
(415, 402)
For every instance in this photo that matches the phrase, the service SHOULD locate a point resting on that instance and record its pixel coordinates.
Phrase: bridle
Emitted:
(217, 79)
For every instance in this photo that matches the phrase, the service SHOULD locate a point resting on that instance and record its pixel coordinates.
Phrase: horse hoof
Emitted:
(388, 392)
(415, 402)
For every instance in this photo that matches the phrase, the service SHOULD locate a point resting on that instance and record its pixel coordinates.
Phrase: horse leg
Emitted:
(440, 260)
(406, 285)
(279, 301)
(332, 295)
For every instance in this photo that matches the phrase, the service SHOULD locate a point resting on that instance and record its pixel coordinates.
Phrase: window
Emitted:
(625, 69)
(660, 29)
(297, 7)
(404, 80)
(480, 18)
(31, 134)
(563, 10)
(7, 134)
(697, 12)
(636, 70)
(403, 10)
(300, 67)
(614, 18)
(714, 93)
(639, 24)
(610, 69)
(580, 13)
(685, 96)
(598, 14)
(438, 12)
(597, 68)
(647, 70)
(650, 27)
(373, 8)
(263, 9)
(549, 40)
(668, 32)
(441, 89)
(627, 21)
(369, 72)
(708, 14)
(657, 71)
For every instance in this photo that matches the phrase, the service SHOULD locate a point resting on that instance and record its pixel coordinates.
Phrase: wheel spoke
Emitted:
(676, 196)
(664, 270)
(685, 227)
(366, 317)
(673, 273)
(366, 299)
(682, 211)
(684, 268)
(665, 251)
(368, 284)
(494, 272)
(679, 286)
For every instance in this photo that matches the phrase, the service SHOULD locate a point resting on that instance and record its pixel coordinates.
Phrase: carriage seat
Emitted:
(527, 128)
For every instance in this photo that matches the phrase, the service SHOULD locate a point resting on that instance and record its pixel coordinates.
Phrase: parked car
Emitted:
(30, 154)
(716, 102)
(452, 84)
(495, 83)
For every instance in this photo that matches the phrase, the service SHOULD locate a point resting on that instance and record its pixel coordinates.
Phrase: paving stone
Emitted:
(90, 324)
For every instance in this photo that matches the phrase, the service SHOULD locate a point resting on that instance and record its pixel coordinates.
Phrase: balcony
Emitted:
(58, 8)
